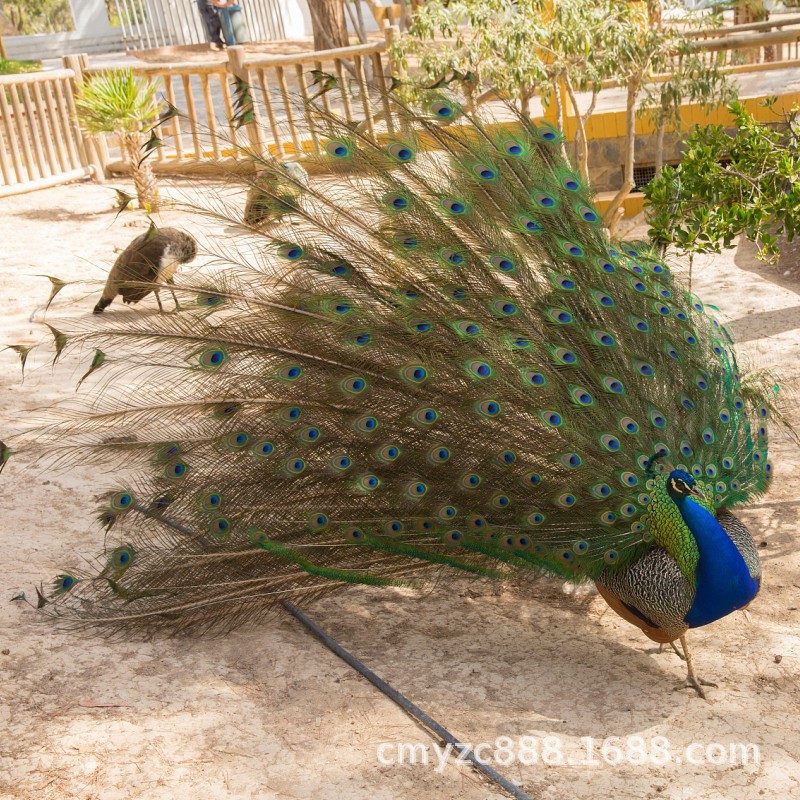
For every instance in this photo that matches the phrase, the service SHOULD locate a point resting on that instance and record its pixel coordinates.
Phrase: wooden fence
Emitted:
(278, 85)
(40, 141)
(738, 47)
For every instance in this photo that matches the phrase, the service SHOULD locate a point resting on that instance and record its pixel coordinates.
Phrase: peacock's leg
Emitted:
(678, 653)
(674, 647)
(692, 681)
(158, 300)
(171, 283)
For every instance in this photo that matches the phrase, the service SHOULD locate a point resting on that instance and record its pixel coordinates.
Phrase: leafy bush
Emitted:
(746, 183)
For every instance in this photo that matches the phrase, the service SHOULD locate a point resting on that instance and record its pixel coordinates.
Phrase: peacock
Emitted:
(443, 365)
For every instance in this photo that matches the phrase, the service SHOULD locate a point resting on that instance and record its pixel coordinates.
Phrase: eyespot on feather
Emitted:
(122, 501)
(450, 257)
(393, 527)
(212, 358)
(529, 225)
(484, 172)
(355, 384)
(500, 501)
(366, 424)
(502, 263)
(290, 372)
(401, 152)
(236, 441)
(368, 483)
(211, 501)
(341, 462)
(121, 558)
(337, 148)
(439, 455)
(414, 373)
(295, 465)
(176, 470)
(395, 201)
(467, 328)
(443, 110)
(309, 434)
(416, 489)
(470, 480)
(220, 528)
(63, 584)
(455, 207)
(290, 251)
(388, 453)
(488, 408)
(479, 369)
(503, 308)
(318, 521)
(425, 416)
(289, 414)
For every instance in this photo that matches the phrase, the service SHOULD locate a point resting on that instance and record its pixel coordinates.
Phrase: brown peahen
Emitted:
(150, 260)
(282, 195)
(444, 364)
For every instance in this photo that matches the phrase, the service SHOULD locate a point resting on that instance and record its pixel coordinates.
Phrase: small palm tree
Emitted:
(120, 103)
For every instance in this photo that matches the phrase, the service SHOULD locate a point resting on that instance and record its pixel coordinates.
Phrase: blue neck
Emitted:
(723, 580)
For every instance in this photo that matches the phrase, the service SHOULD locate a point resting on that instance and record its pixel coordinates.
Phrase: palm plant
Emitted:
(120, 103)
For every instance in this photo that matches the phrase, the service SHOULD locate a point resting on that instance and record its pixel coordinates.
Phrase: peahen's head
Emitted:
(681, 484)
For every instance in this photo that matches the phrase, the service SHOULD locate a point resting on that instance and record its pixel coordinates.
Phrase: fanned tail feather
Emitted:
(434, 358)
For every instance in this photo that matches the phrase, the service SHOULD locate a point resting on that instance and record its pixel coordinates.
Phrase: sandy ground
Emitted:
(268, 712)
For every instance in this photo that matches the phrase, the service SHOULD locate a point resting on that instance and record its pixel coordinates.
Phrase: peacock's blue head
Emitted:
(681, 484)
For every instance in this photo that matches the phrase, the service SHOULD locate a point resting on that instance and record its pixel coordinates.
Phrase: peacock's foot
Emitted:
(693, 682)
(660, 649)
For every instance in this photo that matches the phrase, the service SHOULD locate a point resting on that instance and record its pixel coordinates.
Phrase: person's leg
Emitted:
(214, 25)
(227, 28)
(211, 22)
(240, 31)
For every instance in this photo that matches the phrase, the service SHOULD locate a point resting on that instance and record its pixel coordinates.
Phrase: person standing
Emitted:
(212, 24)
(234, 28)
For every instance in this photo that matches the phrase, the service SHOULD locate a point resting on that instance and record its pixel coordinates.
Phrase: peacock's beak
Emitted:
(697, 492)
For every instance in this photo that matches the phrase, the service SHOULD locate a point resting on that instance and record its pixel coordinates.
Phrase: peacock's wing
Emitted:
(444, 363)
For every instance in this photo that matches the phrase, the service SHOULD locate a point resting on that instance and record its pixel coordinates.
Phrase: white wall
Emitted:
(93, 34)
(296, 19)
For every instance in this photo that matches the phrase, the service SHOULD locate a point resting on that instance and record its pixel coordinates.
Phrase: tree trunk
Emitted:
(630, 153)
(654, 14)
(581, 140)
(662, 124)
(328, 23)
(630, 130)
(142, 174)
(560, 101)
(525, 95)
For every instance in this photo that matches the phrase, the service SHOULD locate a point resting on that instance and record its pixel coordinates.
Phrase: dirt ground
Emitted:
(268, 712)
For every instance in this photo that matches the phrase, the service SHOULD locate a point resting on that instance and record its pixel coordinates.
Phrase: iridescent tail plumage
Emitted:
(434, 359)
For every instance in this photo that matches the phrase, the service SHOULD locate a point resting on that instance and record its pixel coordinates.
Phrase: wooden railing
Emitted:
(775, 41)
(40, 141)
(279, 88)
(276, 78)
